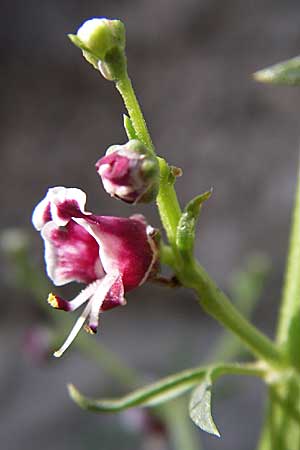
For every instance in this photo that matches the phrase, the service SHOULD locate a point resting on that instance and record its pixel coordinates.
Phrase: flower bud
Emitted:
(102, 42)
(129, 172)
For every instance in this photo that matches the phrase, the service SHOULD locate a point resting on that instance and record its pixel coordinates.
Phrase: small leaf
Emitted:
(200, 407)
(185, 236)
(130, 131)
(284, 73)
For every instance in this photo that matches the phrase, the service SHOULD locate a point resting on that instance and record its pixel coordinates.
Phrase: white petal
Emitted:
(39, 213)
(60, 195)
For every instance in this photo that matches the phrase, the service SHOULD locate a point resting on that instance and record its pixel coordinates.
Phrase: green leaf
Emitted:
(164, 389)
(284, 73)
(200, 407)
(129, 128)
(185, 235)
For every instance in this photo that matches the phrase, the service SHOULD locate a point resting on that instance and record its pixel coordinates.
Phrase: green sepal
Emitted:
(92, 59)
(283, 73)
(77, 42)
(129, 128)
(200, 407)
(185, 235)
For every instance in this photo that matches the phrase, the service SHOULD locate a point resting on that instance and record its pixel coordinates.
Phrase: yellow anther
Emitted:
(88, 329)
(52, 300)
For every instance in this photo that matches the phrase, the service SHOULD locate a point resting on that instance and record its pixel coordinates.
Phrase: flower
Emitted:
(129, 172)
(100, 35)
(112, 255)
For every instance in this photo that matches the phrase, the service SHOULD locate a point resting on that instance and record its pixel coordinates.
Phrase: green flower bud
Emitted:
(102, 42)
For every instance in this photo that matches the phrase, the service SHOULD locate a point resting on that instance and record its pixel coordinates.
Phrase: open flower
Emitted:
(112, 255)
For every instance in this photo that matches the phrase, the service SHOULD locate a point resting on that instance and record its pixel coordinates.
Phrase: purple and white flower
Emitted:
(112, 255)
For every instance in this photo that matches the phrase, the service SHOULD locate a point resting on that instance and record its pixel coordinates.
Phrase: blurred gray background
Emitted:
(191, 63)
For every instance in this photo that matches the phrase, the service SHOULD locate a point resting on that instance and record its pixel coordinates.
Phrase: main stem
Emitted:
(283, 432)
(192, 275)
(290, 307)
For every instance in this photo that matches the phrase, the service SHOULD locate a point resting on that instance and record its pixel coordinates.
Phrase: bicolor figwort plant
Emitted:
(113, 255)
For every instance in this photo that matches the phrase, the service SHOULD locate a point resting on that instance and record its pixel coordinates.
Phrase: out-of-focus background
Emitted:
(191, 63)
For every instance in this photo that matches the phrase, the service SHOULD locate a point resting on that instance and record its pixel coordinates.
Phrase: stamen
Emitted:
(98, 299)
(89, 330)
(75, 330)
(57, 302)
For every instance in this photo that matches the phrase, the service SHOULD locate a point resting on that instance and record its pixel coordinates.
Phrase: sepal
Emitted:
(129, 128)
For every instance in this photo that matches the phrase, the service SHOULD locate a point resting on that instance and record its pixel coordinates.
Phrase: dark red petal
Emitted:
(124, 246)
(72, 254)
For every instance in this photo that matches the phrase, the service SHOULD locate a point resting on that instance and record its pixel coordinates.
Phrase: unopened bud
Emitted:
(129, 172)
(102, 42)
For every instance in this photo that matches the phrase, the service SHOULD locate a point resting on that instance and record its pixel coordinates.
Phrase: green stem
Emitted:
(167, 203)
(215, 303)
(267, 439)
(167, 387)
(125, 88)
(288, 331)
(166, 256)
(211, 298)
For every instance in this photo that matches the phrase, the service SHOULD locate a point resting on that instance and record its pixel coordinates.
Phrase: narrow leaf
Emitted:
(185, 236)
(129, 128)
(284, 73)
(164, 389)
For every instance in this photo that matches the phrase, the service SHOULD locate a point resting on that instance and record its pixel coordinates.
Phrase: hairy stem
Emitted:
(125, 88)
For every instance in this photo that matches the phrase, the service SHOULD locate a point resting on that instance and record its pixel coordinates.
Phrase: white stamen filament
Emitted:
(75, 330)
(84, 295)
(97, 292)
(99, 297)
